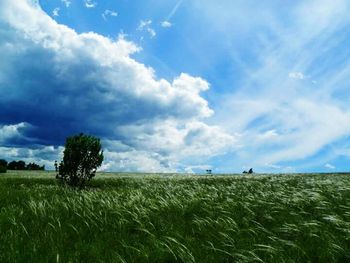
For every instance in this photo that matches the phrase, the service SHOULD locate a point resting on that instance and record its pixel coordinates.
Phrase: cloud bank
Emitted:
(58, 82)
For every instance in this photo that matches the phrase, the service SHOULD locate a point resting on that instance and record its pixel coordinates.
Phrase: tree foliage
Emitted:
(3, 166)
(34, 167)
(81, 157)
(17, 165)
(21, 165)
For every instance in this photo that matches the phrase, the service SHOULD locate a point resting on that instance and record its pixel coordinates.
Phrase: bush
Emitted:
(81, 158)
(3, 166)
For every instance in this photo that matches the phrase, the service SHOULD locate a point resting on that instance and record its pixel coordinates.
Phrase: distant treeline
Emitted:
(19, 165)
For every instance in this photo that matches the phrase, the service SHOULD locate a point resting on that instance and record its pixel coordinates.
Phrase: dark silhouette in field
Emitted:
(250, 171)
(21, 165)
(35, 167)
(16, 165)
(56, 169)
(3, 166)
(208, 171)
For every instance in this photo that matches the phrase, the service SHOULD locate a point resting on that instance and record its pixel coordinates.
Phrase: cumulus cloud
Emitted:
(107, 13)
(66, 3)
(90, 3)
(56, 11)
(10, 133)
(186, 138)
(136, 161)
(166, 24)
(60, 82)
(145, 25)
(296, 75)
(192, 169)
(329, 166)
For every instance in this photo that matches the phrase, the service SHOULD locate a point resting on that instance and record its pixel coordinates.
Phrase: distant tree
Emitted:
(3, 162)
(56, 166)
(12, 165)
(16, 165)
(35, 167)
(21, 165)
(81, 158)
(3, 166)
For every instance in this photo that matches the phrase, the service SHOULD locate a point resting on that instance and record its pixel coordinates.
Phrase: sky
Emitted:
(178, 85)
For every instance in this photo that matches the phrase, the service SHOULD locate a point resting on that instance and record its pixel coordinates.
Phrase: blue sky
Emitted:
(178, 85)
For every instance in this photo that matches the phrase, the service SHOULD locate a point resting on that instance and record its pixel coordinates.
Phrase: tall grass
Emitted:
(129, 218)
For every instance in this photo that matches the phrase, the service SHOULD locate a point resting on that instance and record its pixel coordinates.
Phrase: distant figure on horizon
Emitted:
(249, 172)
(208, 171)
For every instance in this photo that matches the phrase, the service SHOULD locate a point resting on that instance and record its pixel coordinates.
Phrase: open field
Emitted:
(155, 218)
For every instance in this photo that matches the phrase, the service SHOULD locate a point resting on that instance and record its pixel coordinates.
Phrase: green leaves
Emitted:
(82, 156)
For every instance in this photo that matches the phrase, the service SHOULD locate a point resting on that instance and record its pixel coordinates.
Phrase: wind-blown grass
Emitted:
(154, 218)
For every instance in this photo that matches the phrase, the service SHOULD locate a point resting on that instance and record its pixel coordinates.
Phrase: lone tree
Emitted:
(81, 158)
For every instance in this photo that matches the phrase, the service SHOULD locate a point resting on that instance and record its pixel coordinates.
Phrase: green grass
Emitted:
(155, 218)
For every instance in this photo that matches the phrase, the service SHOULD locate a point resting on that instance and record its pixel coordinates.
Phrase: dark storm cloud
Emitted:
(59, 83)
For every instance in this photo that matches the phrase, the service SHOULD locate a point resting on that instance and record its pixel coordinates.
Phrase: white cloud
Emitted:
(8, 132)
(147, 123)
(146, 26)
(296, 75)
(66, 3)
(281, 120)
(90, 3)
(192, 169)
(151, 32)
(166, 24)
(189, 170)
(107, 13)
(133, 160)
(179, 138)
(56, 11)
(273, 166)
(164, 144)
(329, 166)
(268, 135)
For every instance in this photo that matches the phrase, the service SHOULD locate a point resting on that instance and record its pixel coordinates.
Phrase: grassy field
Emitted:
(155, 218)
